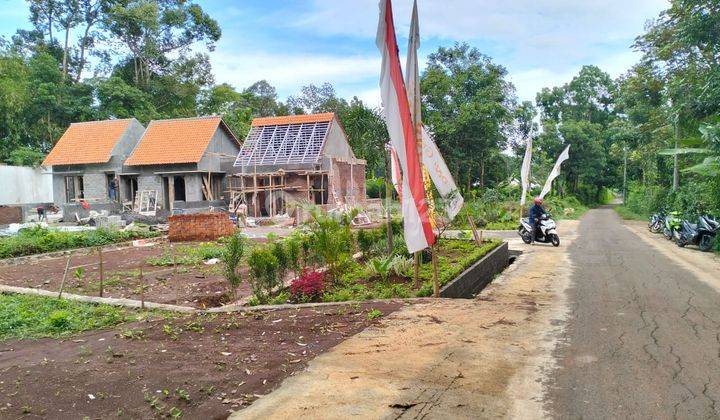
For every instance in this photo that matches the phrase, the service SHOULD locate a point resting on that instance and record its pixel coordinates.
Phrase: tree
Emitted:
(469, 107)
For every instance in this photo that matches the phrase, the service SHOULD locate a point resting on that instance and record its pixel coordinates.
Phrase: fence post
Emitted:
(142, 289)
(62, 283)
(102, 271)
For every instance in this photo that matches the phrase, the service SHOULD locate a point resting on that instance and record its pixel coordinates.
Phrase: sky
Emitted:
(294, 43)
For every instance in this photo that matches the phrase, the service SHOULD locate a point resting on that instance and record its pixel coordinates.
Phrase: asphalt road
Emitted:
(643, 334)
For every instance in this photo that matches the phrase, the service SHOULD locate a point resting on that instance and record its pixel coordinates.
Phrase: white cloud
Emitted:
(290, 72)
(529, 82)
(550, 31)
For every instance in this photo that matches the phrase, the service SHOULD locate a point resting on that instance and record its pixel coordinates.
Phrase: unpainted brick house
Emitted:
(185, 160)
(296, 158)
(107, 163)
(87, 159)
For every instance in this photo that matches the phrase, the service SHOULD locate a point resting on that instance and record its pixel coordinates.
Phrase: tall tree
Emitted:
(469, 106)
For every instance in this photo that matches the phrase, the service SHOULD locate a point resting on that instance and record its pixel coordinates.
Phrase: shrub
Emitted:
(292, 248)
(278, 250)
(365, 242)
(263, 272)
(231, 256)
(331, 241)
(309, 286)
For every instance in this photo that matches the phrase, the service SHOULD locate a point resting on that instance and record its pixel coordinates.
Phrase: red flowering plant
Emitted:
(309, 286)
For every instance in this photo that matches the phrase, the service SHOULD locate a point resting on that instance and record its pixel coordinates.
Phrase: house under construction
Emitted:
(296, 159)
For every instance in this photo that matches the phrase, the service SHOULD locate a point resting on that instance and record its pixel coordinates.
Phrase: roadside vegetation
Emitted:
(39, 240)
(320, 261)
(23, 316)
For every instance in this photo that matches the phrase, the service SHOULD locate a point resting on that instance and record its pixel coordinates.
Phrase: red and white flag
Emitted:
(417, 228)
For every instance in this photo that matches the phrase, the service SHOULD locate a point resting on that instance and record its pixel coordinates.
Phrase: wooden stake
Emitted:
(175, 279)
(142, 289)
(388, 200)
(102, 271)
(476, 236)
(436, 280)
(416, 276)
(62, 283)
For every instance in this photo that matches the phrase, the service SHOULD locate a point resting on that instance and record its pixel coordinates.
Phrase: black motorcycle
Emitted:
(702, 233)
(657, 221)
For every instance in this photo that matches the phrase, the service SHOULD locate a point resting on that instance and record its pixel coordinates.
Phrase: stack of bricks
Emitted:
(199, 227)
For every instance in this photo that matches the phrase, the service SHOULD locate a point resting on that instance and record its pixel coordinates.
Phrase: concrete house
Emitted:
(185, 161)
(296, 158)
(87, 159)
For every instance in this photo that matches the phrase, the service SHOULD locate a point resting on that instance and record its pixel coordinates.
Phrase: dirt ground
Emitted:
(480, 358)
(201, 366)
(199, 287)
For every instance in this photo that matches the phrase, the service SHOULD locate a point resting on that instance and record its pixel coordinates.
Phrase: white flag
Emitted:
(440, 175)
(412, 75)
(565, 155)
(417, 228)
(525, 171)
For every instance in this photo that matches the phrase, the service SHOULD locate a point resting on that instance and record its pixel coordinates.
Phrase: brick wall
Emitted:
(199, 227)
(10, 215)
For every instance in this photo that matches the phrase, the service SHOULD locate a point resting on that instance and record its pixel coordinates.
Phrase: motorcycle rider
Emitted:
(536, 212)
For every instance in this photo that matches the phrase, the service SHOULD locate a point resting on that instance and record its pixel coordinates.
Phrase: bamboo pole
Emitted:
(142, 289)
(62, 283)
(102, 271)
(436, 282)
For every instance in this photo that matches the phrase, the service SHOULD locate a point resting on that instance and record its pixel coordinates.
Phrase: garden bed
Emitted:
(38, 240)
(194, 284)
(195, 366)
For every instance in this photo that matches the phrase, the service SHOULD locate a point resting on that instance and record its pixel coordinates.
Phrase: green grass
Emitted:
(38, 241)
(194, 254)
(23, 316)
(461, 255)
(628, 214)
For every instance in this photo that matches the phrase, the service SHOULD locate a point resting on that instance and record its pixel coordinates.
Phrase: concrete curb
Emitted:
(128, 303)
(234, 308)
(474, 279)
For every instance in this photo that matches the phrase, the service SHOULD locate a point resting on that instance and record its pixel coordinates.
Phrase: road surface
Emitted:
(642, 337)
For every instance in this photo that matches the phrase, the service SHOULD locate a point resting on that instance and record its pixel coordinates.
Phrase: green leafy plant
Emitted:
(381, 267)
(374, 314)
(231, 257)
(402, 266)
(331, 240)
(264, 269)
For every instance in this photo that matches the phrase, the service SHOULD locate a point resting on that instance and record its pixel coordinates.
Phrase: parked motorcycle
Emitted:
(673, 223)
(702, 234)
(657, 221)
(547, 231)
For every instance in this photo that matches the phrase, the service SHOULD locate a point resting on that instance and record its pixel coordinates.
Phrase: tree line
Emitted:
(96, 59)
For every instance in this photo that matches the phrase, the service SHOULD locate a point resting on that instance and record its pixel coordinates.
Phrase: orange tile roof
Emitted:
(87, 142)
(175, 141)
(293, 119)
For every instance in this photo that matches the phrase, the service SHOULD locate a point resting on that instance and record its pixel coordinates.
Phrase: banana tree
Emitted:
(710, 166)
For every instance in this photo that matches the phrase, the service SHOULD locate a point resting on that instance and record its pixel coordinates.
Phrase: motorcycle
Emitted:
(657, 222)
(673, 222)
(702, 233)
(547, 231)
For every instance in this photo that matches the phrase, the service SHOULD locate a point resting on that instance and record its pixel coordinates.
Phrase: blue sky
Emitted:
(295, 43)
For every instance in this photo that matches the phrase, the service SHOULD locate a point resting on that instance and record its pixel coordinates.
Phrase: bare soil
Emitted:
(196, 286)
(199, 366)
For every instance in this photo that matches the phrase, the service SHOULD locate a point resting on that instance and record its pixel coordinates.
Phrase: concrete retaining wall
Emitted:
(479, 275)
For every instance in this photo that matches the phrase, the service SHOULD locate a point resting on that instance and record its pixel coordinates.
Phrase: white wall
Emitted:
(24, 185)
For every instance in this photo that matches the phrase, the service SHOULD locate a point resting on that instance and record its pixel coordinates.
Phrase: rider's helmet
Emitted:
(538, 201)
